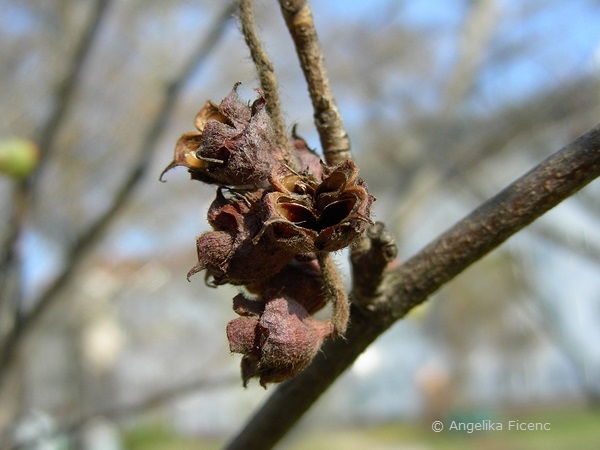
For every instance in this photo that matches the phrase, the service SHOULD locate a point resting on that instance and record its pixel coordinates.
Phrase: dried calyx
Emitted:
(233, 145)
(277, 337)
(307, 214)
(269, 223)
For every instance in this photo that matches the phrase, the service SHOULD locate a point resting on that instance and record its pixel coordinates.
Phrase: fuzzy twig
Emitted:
(552, 181)
(266, 76)
(328, 120)
(333, 284)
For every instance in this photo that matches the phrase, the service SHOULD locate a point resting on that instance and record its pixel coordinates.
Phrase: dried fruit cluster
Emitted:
(270, 222)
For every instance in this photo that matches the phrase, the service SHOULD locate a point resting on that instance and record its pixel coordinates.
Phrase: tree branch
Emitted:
(478, 27)
(87, 240)
(68, 86)
(552, 181)
(328, 120)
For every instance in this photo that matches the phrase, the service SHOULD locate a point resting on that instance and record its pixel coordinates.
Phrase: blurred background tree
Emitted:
(444, 104)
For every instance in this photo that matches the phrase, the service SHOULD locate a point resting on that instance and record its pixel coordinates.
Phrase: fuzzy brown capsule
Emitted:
(305, 214)
(300, 279)
(275, 217)
(233, 145)
(278, 338)
(230, 253)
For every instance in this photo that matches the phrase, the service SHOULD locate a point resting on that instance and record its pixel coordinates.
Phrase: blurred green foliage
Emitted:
(159, 437)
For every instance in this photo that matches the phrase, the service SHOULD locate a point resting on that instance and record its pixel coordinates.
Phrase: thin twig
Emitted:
(94, 233)
(552, 181)
(568, 106)
(479, 25)
(68, 86)
(328, 120)
(266, 76)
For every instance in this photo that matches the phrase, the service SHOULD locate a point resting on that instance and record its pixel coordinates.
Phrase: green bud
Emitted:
(18, 157)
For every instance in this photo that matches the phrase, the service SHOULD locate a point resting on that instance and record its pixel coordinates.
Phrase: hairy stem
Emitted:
(266, 76)
(336, 293)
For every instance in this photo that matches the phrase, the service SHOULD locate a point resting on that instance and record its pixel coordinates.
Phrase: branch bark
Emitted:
(328, 120)
(552, 181)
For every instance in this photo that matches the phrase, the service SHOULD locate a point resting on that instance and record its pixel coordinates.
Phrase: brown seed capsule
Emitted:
(233, 146)
(277, 342)
(306, 159)
(306, 215)
(231, 253)
(301, 279)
